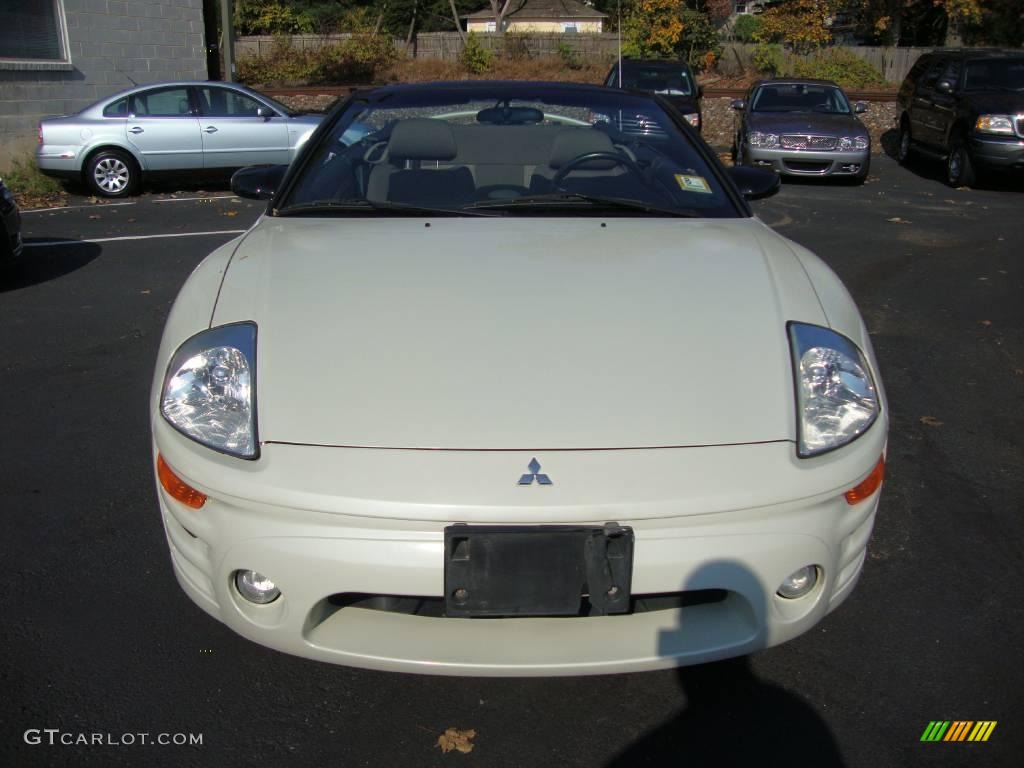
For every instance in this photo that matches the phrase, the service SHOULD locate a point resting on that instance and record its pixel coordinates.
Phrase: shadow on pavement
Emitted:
(730, 717)
(40, 263)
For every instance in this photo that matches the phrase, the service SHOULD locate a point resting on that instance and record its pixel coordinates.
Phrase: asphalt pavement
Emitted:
(97, 638)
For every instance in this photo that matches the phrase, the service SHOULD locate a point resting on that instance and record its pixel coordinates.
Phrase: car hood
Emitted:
(517, 333)
(685, 104)
(996, 102)
(807, 122)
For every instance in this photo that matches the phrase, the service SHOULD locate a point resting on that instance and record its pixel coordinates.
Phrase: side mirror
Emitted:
(737, 104)
(258, 182)
(860, 107)
(755, 183)
(944, 86)
(264, 112)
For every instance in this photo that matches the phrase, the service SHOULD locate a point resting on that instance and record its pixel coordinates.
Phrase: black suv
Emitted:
(673, 80)
(965, 106)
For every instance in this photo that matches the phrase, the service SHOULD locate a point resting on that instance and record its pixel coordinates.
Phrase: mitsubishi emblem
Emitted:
(535, 474)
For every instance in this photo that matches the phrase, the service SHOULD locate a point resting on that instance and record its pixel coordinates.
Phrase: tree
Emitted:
(652, 28)
(801, 25)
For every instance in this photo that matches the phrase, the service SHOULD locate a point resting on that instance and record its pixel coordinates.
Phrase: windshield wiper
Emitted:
(574, 198)
(347, 206)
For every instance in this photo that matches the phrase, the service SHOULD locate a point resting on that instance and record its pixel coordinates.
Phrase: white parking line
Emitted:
(73, 207)
(186, 199)
(40, 243)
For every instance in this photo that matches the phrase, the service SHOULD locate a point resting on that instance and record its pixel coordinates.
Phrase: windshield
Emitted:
(800, 97)
(505, 149)
(674, 82)
(995, 75)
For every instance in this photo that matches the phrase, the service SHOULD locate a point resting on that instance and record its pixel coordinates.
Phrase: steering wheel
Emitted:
(569, 167)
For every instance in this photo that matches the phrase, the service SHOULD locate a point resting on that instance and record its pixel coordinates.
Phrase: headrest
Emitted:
(510, 115)
(421, 138)
(573, 142)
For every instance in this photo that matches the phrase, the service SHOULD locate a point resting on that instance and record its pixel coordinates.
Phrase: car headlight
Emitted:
(693, 119)
(836, 398)
(209, 394)
(853, 142)
(994, 124)
(759, 139)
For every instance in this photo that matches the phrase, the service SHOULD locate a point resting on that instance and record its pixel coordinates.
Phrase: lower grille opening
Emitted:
(413, 605)
(805, 166)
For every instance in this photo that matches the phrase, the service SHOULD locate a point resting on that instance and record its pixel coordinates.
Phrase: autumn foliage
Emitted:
(801, 25)
(652, 28)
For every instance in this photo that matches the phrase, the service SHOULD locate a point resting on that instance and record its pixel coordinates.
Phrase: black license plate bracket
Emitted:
(541, 570)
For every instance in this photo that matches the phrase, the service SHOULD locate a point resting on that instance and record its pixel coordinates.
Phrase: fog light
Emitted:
(256, 588)
(799, 583)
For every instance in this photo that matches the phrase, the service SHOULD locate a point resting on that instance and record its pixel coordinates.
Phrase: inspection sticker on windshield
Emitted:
(693, 183)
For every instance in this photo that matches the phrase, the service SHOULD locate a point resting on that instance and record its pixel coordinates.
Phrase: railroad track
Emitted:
(710, 93)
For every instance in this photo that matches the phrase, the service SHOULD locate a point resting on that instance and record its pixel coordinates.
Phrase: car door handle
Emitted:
(210, 129)
(136, 129)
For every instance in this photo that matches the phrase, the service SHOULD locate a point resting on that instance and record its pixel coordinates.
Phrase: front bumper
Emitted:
(695, 513)
(1004, 153)
(809, 163)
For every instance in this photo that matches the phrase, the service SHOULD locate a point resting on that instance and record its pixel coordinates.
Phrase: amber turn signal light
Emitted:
(177, 487)
(868, 485)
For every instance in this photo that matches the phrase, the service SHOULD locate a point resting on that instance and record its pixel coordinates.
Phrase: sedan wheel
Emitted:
(111, 174)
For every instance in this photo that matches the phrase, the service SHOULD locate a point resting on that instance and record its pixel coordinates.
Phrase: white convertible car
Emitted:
(508, 380)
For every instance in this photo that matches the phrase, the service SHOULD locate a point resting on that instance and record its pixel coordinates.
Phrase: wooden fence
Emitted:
(893, 63)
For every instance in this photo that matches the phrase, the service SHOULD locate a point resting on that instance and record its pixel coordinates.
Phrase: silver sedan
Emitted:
(802, 127)
(169, 127)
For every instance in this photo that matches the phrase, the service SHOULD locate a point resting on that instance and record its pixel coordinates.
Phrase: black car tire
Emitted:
(112, 173)
(906, 143)
(959, 165)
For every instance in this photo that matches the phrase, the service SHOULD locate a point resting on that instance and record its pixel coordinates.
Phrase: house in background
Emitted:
(58, 56)
(566, 16)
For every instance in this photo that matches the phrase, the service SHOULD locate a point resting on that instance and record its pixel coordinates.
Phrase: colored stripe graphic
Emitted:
(958, 730)
(982, 730)
(935, 730)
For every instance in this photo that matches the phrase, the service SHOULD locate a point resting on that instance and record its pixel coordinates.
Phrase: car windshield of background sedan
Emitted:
(995, 75)
(800, 97)
(521, 149)
(672, 81)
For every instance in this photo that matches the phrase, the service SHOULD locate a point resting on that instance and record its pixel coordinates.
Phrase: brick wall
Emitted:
(111, 43)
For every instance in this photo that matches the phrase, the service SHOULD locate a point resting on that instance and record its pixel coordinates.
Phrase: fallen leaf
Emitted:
(453, 738)
(131, 220)
(1019, 371)
(986, 323)
(145, 290)
(95, 216)
(897, 220)
(230, 213)
(930, 421)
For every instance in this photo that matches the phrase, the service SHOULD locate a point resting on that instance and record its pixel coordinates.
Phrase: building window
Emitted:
(490, 26)
(570, 27)
(33, 32)
(741, 7)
